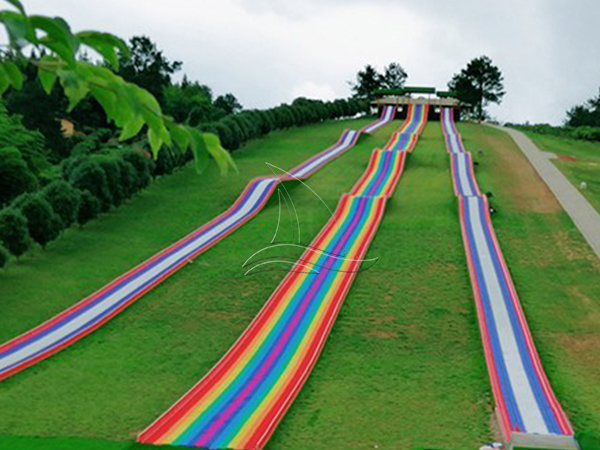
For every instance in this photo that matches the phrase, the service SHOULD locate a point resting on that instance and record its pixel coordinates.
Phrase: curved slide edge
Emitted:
(241, 400)
(527, 408)
(92, 312)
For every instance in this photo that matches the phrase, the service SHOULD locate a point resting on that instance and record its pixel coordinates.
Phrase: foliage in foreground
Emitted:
(53, 48)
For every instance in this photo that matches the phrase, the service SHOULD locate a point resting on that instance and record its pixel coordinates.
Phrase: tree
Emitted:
(4, 256)
(146, 66)
(43, 223)
(30, 143)
(64, 200)
(586, 115)
(367, 82)
(15, 176)
(89, 207)
(142, 164)
(394, 76)
(89, 176)
(190, 103)
(53, 49)
(479, 84)
(13, 231)
(228, 103)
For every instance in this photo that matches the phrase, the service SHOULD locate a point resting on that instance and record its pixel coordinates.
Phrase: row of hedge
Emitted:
(99, 177)
(583, 133)
(89, 185)
(237, 129)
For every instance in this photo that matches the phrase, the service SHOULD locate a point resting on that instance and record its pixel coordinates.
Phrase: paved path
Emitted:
(584, 215)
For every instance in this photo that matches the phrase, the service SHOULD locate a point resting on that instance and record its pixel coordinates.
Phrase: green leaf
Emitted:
(221, 156)
(60, 49)
(4, 81)
(14, 74)
(155, 141)
(17, 4)
(58, 36)
(46, 73)
(106, 44)
(18, 27)
(179, 136)
(74, 85)
(201, 157)
(131, 128)
(107, 99)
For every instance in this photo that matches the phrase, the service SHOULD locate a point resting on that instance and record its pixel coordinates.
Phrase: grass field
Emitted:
(582, 164)
(403, 366)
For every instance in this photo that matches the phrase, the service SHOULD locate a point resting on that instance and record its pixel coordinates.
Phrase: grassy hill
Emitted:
(403, 366)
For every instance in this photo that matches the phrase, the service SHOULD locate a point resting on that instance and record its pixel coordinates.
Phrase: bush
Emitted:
(128, 178)
(143, 166)
(89, 207)
(43, 223)
(4, 256)
(64, 200)
(165, 162)
(112, 171)
(13, 231)
(89, 176)
(15, 176)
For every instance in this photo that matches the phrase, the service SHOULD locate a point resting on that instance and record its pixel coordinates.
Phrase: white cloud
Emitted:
(268, 51)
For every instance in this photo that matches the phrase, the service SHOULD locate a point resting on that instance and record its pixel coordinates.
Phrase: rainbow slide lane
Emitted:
(528, 411)
(239, 403)
(90, 313)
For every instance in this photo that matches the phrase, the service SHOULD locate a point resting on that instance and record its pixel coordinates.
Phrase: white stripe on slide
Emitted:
(463, 174)
(533, 419)
(343, 146)
(74, 324)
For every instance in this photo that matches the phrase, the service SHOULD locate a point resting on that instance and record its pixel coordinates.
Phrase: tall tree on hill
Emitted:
(147, 67)
(367, 82)
(479, 84)
(228, 103)
(394, 76)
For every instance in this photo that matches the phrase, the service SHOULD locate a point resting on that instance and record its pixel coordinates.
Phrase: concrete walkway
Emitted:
(584, 215)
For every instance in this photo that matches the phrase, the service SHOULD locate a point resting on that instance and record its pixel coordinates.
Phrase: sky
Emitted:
(267, 52)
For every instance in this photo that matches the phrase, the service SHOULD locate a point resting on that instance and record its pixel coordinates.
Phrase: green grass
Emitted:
(403, 327)
(586, 168)
(403, 367)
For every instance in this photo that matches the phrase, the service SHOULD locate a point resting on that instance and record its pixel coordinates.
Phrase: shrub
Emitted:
(142, 164)
(4, 256)
(13, 231)
(128, 177)
(15, 176)
(43, 223)
(90, 176)
(112, 171)
(165, 162)
(89, 207)
(64, 200)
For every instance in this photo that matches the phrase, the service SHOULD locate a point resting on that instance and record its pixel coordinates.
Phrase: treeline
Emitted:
(50, 181)
(583, 122)
(236, 130)
(583, 132)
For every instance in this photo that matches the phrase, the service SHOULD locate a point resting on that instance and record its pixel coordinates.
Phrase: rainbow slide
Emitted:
(528, 411)
(239, 403)
(90, 313)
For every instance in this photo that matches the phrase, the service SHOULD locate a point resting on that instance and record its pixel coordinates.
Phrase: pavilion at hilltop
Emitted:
(402, 97)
